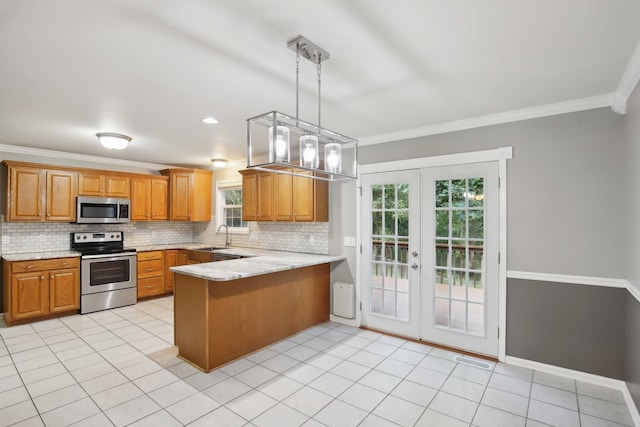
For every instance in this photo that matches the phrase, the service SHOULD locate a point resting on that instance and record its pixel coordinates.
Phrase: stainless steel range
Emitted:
(107, 271)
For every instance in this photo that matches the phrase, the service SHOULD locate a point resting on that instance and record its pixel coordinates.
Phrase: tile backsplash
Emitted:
(24, 237)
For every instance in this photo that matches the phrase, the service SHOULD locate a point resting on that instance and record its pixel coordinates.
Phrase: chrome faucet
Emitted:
(227, 240)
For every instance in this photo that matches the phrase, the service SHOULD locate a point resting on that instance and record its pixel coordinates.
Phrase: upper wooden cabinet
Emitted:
(257, 195)
(149, 198)
(189, 194)
(36, 194)
(268, 196)
(95, 184)
(300, 199)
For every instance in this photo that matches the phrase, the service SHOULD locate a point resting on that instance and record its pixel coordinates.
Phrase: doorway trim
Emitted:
(501, 155)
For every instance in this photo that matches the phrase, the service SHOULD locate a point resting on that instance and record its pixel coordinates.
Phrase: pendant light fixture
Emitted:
(295, 146)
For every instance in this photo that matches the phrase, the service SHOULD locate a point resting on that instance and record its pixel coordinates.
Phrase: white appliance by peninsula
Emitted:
(107, 271)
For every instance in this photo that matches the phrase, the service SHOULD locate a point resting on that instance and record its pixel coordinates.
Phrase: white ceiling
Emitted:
(153, 68)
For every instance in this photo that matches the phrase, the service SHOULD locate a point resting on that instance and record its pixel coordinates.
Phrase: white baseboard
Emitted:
(581, 376)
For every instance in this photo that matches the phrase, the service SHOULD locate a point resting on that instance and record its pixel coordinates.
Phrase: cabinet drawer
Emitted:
(149, 269)
(146, 256)
(149, 287)
(44, 264)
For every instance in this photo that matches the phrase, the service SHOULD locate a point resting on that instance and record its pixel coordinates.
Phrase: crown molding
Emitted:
(627, 83)
(581, 104)
(79, 157)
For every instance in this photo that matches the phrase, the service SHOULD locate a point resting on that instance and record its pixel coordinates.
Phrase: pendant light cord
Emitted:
(297, 81)
(319, 87)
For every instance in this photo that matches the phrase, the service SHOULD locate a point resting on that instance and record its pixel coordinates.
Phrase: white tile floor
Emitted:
(119, 367)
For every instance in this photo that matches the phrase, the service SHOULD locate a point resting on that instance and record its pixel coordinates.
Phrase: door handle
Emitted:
(414, 266)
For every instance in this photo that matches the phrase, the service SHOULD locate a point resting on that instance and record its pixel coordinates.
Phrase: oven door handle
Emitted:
(114, 256)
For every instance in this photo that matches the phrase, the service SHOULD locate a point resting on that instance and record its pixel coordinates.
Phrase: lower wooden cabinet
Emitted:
(172, 258)
(150, 273)
(40, 288)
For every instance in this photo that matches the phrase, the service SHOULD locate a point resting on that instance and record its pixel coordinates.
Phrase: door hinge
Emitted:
(360, 188)
(499, 183)
(360, 248)
(498, 257)
(360, 305)
(498, 333)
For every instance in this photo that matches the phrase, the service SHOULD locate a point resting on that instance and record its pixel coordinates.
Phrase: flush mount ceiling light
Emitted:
(209, 120)
(113, 141)
(326, 154)
(219, 163)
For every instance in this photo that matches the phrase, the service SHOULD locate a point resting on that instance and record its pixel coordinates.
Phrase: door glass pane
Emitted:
(459, 273)
(390, 246)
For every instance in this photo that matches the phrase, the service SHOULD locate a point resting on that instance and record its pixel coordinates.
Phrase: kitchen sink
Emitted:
(211, 248)
(207, 255)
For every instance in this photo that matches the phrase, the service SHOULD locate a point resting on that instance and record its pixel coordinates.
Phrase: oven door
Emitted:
(102, 273)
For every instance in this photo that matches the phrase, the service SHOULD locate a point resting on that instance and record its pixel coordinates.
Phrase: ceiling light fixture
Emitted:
(113, 141)
(209, 120)
(219, 163)
(329, 155)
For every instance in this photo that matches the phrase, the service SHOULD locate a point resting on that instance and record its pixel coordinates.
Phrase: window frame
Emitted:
(221, 186)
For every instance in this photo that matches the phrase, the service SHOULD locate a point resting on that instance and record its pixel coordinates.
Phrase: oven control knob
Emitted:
(84, 237)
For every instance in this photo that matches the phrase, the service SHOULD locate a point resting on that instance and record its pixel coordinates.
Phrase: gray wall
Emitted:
(563, 187)
(632, 144)
(572, 326)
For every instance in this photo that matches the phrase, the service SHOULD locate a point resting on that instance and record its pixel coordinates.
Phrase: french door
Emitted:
(391, 234)
(430, 254)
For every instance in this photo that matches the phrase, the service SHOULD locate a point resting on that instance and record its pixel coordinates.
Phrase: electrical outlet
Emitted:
(350, 241)
(312, 239)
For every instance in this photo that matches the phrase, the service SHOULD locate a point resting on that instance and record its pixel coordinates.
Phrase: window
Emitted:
(229, 206)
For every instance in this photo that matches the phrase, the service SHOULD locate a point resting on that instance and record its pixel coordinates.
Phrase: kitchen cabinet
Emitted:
(150, 273)
(257, 195)
(300, 199)
(36, 194)
(172, 258)
(149, 198)
(39, 288)
(101, 185)
(270, 196)
(189, 194)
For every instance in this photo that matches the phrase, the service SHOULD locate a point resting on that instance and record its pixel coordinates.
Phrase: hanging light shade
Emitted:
(327, 154)
(113, 141)
(309, 156)
(279, 151)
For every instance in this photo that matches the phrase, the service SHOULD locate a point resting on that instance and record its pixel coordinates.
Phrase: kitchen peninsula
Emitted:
(225, 310)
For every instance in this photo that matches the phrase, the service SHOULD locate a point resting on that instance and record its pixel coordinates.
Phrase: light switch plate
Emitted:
(350, 241)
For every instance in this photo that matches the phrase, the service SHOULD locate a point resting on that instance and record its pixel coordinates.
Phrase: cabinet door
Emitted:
(64, 290)
(26, 190)
(118, 186)
(181, 258)
(61, 196)
(303, 199)
(170, 260)
(265, 196)
(90, 184)
(200, 197)
(283, 190)
(159, 205)
(180, 197)
(250, 197)
(29, 295)
(140, 199)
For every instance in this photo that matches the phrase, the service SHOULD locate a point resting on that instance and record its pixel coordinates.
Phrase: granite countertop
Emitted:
(32, 256)
(260, 262)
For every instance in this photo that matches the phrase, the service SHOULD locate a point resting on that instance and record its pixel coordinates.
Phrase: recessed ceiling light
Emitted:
(209, 120)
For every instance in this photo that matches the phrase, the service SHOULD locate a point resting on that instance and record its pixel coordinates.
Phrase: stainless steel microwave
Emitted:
(101, 210)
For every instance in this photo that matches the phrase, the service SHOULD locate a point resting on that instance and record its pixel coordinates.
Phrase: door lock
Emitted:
(414, 254)
(414, 266)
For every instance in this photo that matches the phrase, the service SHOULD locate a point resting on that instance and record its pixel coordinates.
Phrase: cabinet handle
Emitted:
(149, 269)
(28, 267)
(64, 263)
(41, 277)
(149, 287)
(39, 213)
